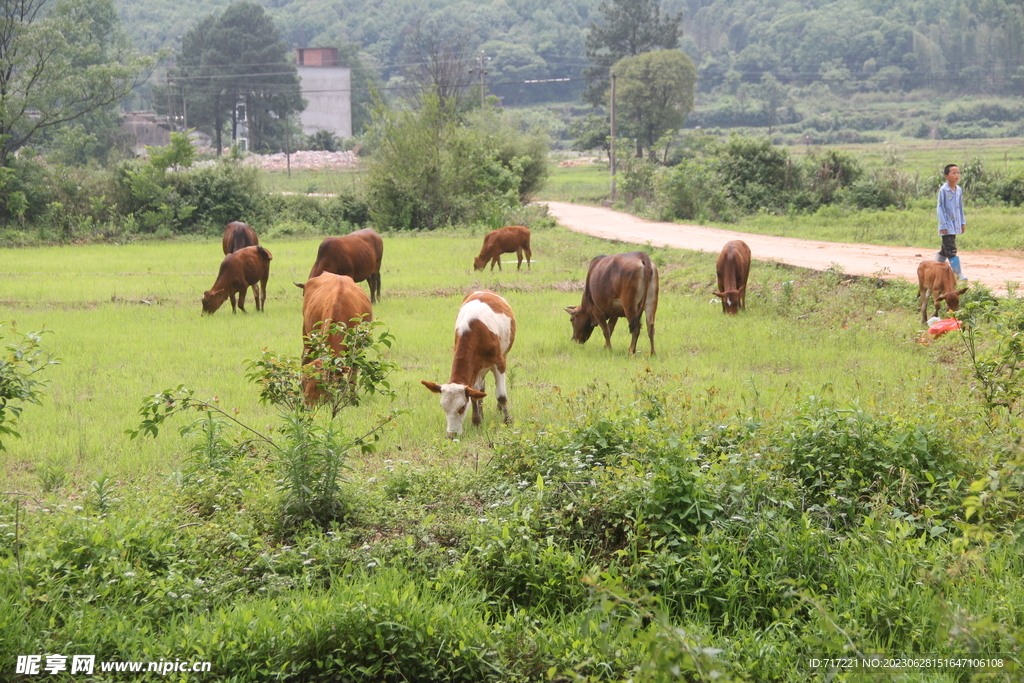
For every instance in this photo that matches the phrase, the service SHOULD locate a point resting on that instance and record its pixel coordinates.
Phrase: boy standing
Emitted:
(951, 218)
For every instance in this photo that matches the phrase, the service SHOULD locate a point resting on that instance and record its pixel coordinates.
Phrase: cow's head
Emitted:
(582, 324)
(731, 299)
(213, 299)
(455, 400)
(952, 299)
(479, 262)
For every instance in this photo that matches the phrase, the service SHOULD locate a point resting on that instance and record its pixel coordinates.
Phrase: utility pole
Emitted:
(481, 59)
(611, 138)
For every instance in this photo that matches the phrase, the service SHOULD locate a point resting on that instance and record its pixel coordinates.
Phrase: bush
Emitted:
(431, 168)
(757, 174)
(850, 461)
(694, 190)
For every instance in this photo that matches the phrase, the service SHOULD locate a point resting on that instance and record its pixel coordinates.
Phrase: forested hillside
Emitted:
(851, 45)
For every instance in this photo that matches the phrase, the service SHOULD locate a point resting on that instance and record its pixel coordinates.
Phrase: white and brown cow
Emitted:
(939, 281)
(618, 286)
(484, 331)
(733, 269)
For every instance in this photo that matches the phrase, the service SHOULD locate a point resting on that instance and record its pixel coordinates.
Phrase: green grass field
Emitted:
(752, 496)
(126, 323)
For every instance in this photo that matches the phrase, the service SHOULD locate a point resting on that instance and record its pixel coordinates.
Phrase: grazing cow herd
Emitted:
(617, 286)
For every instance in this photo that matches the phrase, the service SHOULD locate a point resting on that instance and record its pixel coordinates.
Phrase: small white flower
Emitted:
(371, 564)
(129, 574)
(172, 594)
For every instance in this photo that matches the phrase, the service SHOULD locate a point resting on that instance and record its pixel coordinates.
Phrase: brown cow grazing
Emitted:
(733, 268)
(238, 235)
(939, 281)
(329, 298)
(248, 267)
(357, 254)
(619, 286)
(484, 331)
(504, 241)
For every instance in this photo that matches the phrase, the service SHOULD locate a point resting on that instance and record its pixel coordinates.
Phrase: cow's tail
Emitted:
(646, 281)
(264, 253)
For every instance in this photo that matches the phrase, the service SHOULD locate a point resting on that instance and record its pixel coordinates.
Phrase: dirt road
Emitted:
(993, 269)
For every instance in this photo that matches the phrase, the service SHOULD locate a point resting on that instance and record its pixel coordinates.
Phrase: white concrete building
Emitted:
(327, 88)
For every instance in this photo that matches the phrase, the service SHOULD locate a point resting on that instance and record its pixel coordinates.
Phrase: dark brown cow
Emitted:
(485, 329)
(248, 267)
(619, 286)
(733, 268)
(504, 241)
(358, 255)
(329, 298)
(939, 281)
(238, 235)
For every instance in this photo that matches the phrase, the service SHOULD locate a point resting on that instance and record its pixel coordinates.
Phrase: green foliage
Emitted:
(177, 155)
(757, 174)
(21, 359)
(851, 462)
(628, 28)
(654, 93)
(238, 56)
(58, 63)
(431, 169)
(361, 370)
(993, 334)
(694, 190)
(322, 140)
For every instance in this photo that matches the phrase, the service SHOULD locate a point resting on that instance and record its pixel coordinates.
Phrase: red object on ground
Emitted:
(944, 326)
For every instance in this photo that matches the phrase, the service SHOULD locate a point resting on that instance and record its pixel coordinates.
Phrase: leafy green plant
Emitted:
(993, 334)
(20, 362)
(101, 494)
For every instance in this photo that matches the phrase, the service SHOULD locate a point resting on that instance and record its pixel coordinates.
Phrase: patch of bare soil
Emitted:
(991, 268)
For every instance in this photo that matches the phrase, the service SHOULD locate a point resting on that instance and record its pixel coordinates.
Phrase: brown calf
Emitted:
(733, 268)
(484, 331)
(619, 286)
(939, 281)
(329, 298)
(357, 254)
(248, 267)
(504, 241)
(238, 235)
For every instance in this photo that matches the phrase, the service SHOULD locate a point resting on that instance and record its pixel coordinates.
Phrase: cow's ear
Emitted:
(941, 297)
(300, 285)
(720, 295)
(433, 386)
(572, 310)
(743, 289)
(215, 292)
(961, 291)
(474, 394)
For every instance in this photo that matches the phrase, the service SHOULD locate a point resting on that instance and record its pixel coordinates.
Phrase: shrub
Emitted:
(431, 168)
(850, 461)
(694, 190)
(20, 363)
(757, 174)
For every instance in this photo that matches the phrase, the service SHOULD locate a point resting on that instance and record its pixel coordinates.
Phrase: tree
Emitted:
(59, 62)
(630, 28)
(235, 67)
(654, 94)
(440, 64)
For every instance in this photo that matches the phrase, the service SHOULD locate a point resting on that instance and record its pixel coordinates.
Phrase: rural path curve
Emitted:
(993, 269)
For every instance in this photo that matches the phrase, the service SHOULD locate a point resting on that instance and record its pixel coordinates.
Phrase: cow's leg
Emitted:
(607, 327)
(529, 255)
(232, 296)
(478, 404)
(263, 294)
(374, 281)
(519, 258)
(241, 299)
(497, 259)
(923, 295)
(501, 391)
(634, 331)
